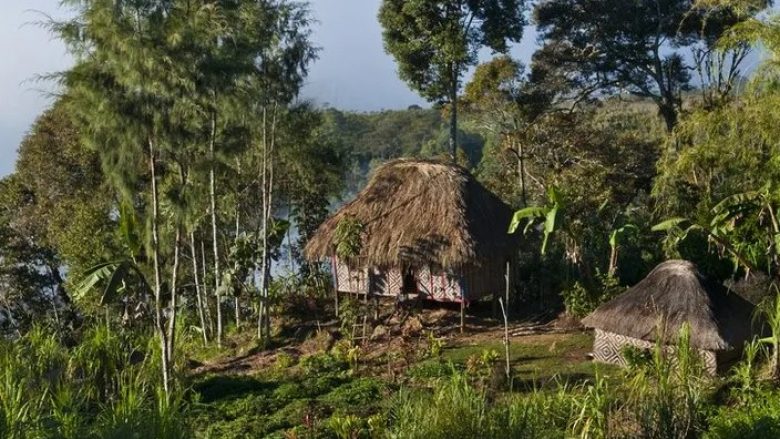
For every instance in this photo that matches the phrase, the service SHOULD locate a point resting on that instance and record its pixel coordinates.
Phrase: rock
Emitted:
(380, 331)
(412, 326)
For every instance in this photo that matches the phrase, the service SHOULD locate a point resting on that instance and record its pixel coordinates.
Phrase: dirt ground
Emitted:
(395, 341)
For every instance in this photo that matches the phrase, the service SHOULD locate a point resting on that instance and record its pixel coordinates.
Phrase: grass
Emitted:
(537, 359)
(311, 396)
(274, 403)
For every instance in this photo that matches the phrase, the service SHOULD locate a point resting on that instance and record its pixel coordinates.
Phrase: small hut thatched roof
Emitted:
(754, 288)
(672, 294)
(422, 211)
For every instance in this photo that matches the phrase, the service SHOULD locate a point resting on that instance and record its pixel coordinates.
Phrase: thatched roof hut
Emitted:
(425, 215)
(673, 294)
(754, 288)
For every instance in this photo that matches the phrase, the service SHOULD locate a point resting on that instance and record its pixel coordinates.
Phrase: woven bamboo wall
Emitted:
(473, 284)
(608, 348)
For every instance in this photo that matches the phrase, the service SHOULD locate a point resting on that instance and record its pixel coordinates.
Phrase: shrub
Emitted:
(577, 300)
(322, 363)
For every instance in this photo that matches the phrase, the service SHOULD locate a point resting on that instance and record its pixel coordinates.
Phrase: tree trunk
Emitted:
(159, 323)
(237, 309)
(454, 113)
(613, 255)
(173, 302)
(201, 313)
(268, 216)
(237, 298)
(212, 197)
(206, 306)
(669, 114)
(263, 228)
(521, 171)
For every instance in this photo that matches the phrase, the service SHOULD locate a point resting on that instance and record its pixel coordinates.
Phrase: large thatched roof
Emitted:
(672, 294)
(422, 211)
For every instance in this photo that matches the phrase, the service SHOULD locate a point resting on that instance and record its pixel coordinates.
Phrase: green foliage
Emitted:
(350, 311)
(435, 345)
(348, 352)
(599, 45)
(348, 238)
(322, 363)
(103, 385)
(452, 33)
(456, 409)
(579, 300)
(550, 214)
(670, 392)
(448, 29)
(594, 411)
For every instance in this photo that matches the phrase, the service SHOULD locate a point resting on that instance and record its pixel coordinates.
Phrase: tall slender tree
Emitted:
(434, 42)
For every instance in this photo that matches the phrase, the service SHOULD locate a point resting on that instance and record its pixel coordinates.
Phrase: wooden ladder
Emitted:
(360, 330)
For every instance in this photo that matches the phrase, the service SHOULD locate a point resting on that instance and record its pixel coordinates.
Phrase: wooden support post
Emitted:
(336, 291)
(462, 313)
(506, 299)
(508, 368)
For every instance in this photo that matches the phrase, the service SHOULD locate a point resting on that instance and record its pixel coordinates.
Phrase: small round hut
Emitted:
(428, 227)
(673, 294)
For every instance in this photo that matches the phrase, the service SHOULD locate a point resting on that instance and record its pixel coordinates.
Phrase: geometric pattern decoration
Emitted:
(608, 348)
(470, 284)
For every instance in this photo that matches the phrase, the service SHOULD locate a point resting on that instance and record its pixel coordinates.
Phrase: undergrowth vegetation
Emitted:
(100, 384)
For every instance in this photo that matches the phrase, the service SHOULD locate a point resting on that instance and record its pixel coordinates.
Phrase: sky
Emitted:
(353, 72)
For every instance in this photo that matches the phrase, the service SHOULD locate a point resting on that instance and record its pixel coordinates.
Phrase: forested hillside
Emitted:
(153, 278)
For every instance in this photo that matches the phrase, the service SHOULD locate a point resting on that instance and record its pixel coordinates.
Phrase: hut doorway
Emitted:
(409, 283)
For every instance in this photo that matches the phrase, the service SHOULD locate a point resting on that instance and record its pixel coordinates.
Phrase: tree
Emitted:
(504, 103)
(56, 218)
(135, 88)
(639, 48)
(434, 42)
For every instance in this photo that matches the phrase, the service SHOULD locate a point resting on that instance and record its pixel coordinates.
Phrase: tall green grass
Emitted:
(103, 385)
(665, 396)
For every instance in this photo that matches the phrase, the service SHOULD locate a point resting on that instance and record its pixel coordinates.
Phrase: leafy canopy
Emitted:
(435, 41)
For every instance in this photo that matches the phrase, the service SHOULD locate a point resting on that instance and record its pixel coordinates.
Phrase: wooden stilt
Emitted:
(336, 300)
(462, 313)
(506, 298)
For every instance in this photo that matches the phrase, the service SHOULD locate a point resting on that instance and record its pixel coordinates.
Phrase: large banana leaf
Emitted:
(116, 274)
(669, 224)
(527, 213)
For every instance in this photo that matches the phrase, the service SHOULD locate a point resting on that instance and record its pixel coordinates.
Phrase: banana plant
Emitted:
(550, 214)
(117, 275)
(771, 313)
(616, 238)
(724, 218)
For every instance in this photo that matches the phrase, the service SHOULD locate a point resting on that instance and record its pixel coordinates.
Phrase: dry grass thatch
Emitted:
(672, 294)
(423, 212)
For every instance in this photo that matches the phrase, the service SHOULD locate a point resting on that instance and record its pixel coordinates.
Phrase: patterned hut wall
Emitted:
(385, 282)
(608, 348)
(472, 284)
(380, 282)
(440, 285)
(348, 280)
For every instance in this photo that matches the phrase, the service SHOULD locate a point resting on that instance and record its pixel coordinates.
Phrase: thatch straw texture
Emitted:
(423, 212)
(672, 294)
